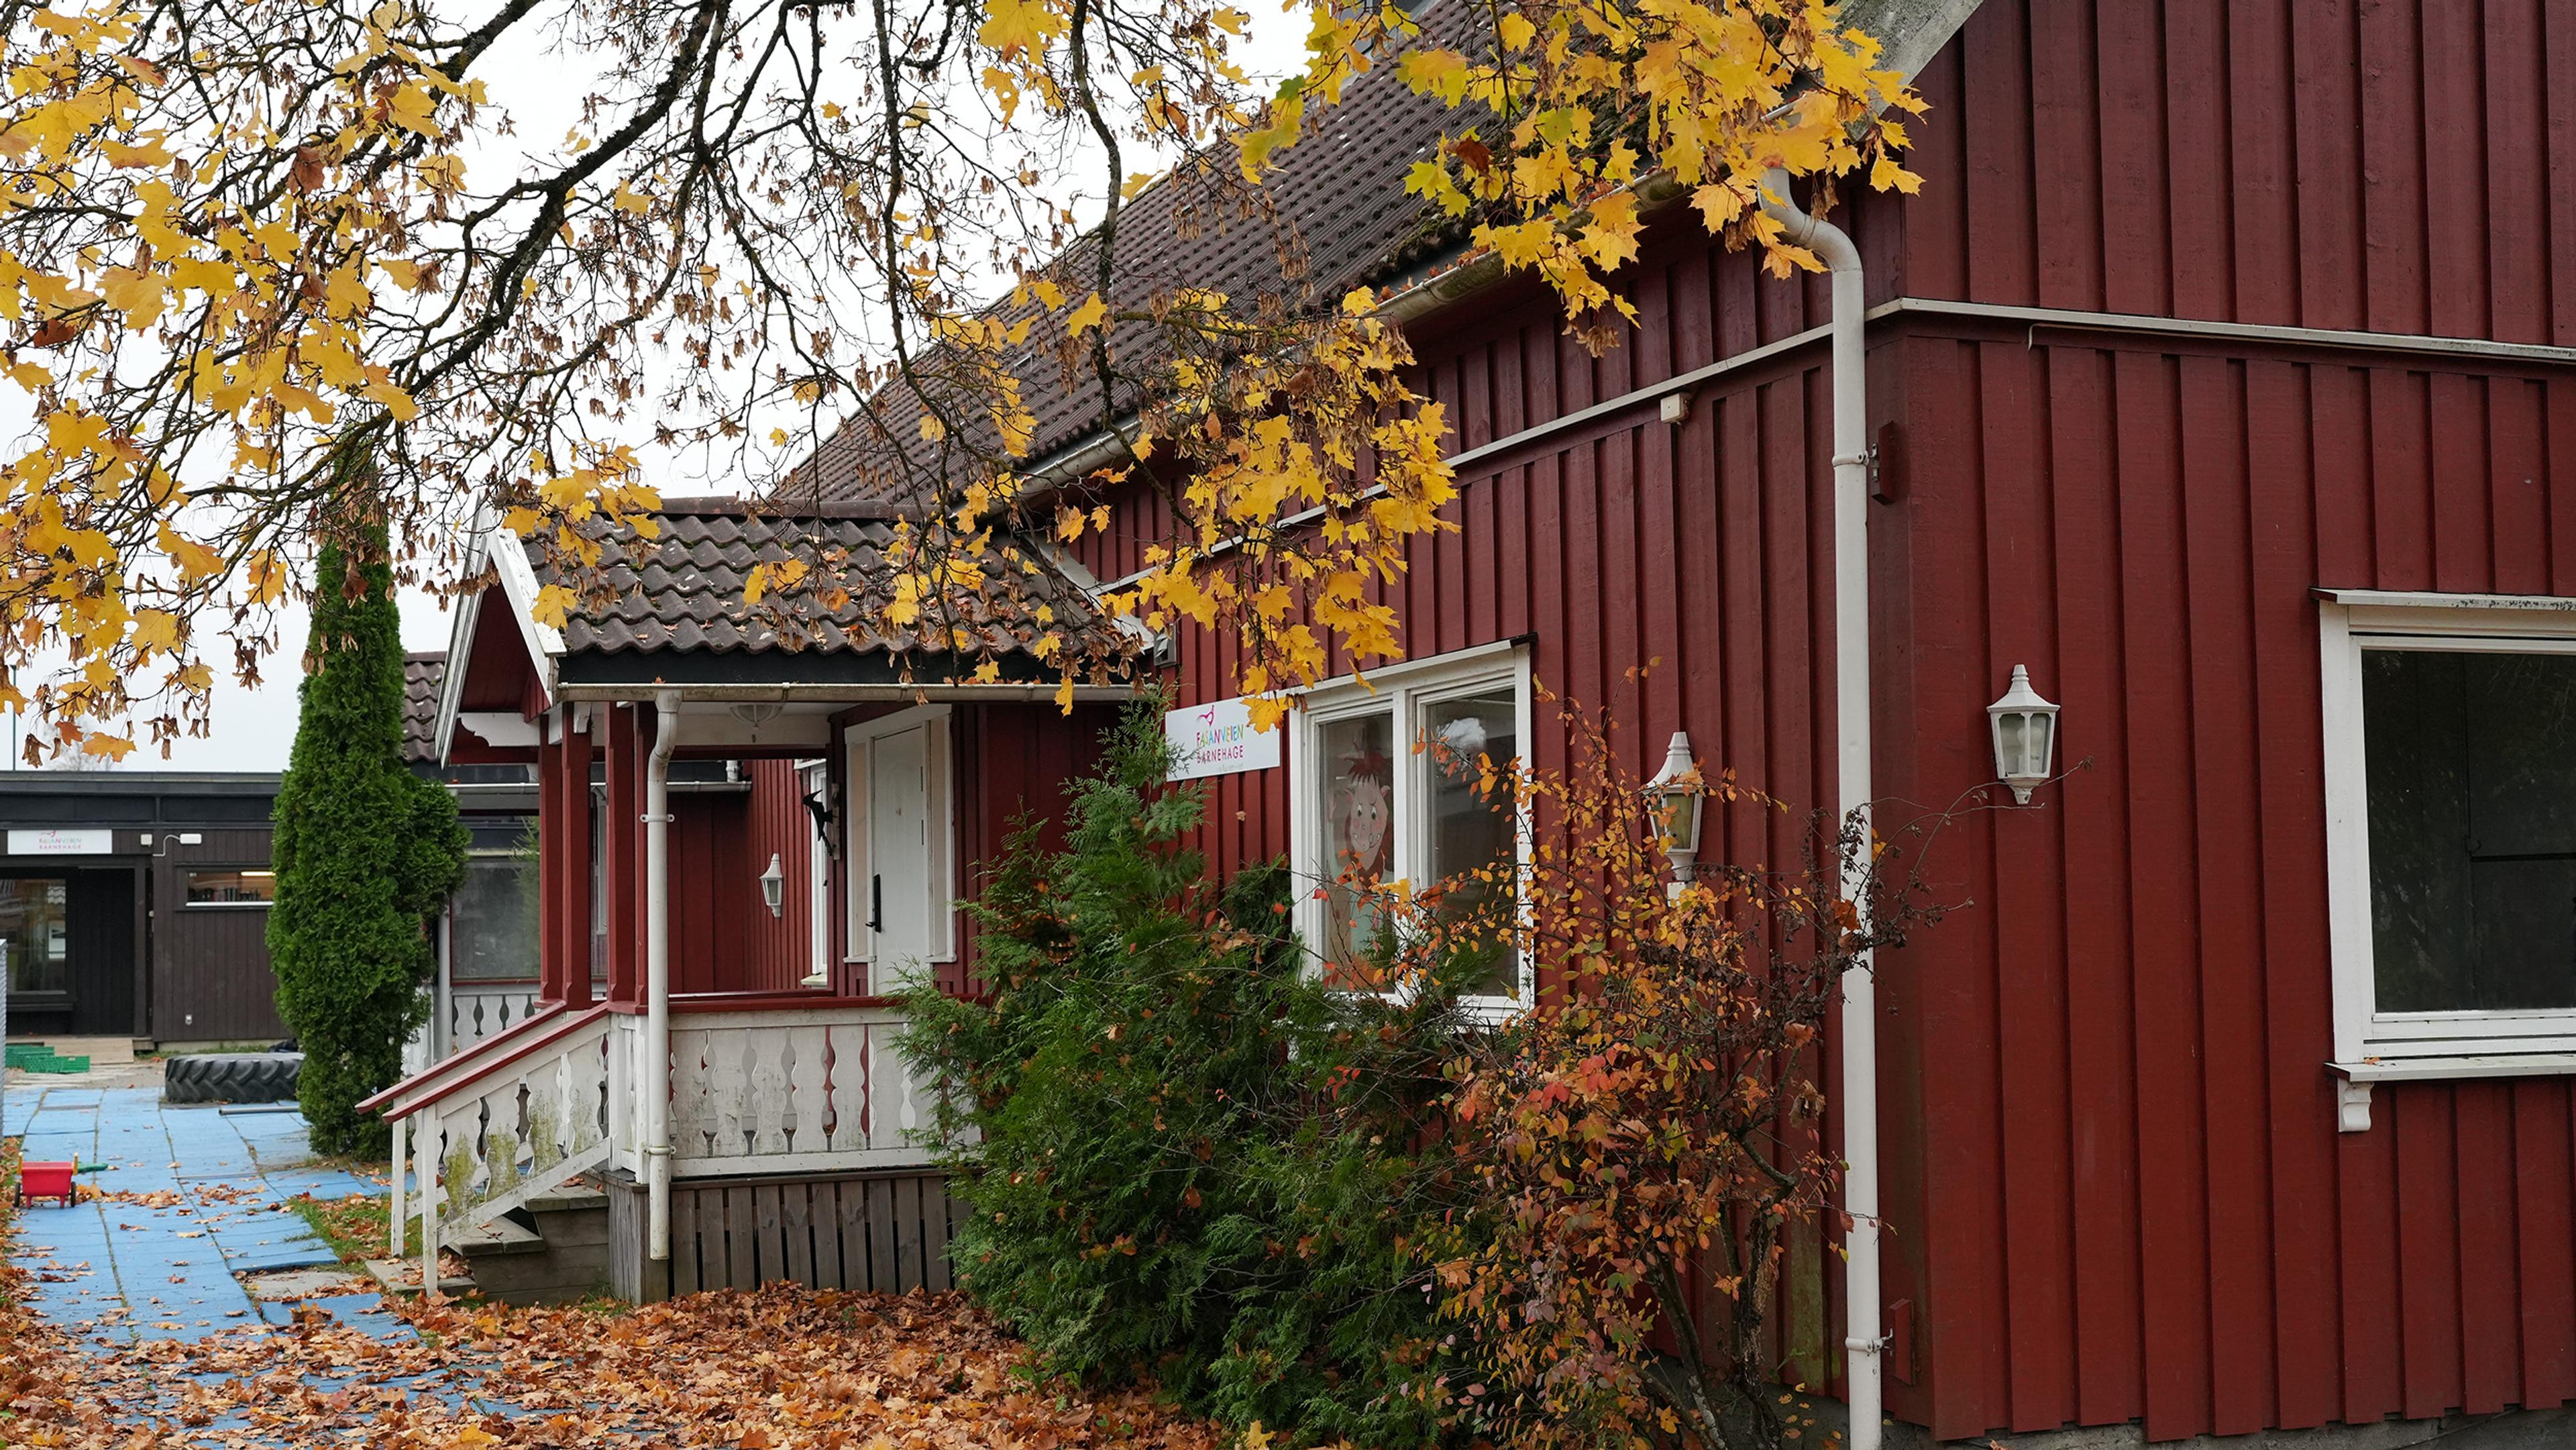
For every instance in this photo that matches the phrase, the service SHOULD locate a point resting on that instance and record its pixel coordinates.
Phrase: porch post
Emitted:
(623, 747)
(550, 859)
(575, 881)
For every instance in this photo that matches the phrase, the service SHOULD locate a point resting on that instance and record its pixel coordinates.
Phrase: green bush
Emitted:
(365, 851)
(1192, 1160)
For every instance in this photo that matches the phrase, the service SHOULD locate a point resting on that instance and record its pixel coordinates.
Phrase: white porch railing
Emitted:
(510, 1119)
(474, 1013)
(478, 1011)
(784, 1090)
(777, 1090)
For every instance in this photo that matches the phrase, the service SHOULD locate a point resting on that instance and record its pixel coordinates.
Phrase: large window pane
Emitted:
(1357, 807)
(1474, 847)
(231, 886)
(493, 931)
(35, 931)
(2472, 806)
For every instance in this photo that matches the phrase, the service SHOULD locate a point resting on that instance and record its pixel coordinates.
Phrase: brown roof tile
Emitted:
(422, 676)
(1340, 189)
(683, 590)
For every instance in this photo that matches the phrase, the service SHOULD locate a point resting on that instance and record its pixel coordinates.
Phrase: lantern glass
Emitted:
(1676, 825)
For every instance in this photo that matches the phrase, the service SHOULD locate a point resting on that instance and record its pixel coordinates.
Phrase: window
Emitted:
(2450, 731)
(1388, 787)
(35, 933)
(492, 920)
(230, 886)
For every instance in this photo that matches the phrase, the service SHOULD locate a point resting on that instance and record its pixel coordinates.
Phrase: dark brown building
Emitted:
(138, 903)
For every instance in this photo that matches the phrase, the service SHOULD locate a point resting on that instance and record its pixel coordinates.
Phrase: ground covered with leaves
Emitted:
(779, 1368)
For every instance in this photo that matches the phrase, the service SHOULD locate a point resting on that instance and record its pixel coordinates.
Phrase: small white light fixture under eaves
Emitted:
(2025, 731)
(773, 886)
(1677, 791)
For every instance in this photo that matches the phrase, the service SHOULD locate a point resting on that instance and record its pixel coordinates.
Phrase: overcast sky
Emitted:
(253, 730)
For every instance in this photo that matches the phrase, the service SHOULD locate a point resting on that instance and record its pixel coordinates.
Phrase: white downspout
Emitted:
(1864, 1341)
(657, 972)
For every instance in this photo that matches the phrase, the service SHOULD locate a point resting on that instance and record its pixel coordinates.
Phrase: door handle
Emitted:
(876, 903)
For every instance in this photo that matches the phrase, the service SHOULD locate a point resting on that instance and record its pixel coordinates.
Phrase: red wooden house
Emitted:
(2223, 373)
(753, 828)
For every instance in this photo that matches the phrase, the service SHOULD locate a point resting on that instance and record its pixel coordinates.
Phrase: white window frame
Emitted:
(2371, 1045)
(859, 943)
(1403, 689)
(813, 779)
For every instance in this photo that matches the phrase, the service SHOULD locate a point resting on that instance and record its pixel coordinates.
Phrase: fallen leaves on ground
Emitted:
(780, 1369)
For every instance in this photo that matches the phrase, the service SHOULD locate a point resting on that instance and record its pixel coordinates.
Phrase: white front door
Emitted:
(900, 856)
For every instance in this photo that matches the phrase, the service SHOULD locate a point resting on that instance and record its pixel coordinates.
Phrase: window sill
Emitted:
(2353, 1092)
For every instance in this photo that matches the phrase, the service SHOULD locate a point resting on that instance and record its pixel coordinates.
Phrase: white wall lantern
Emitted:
(2025, 731)
(1679, 805)
(773, 886)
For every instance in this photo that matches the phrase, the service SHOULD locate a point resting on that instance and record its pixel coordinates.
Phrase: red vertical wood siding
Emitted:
(715, 893)
(777, 950)
(1012, 764)
(2217, 1259)
(2396, 167)
(2113, 1183)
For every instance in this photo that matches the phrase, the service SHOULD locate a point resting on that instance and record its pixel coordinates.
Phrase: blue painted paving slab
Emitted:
(195, 1198)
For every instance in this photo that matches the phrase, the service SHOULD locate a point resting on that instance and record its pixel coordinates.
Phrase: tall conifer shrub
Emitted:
(365, 851)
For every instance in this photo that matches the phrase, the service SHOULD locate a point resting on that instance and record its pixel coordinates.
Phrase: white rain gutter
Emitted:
(1864, 1342)
(657, 972)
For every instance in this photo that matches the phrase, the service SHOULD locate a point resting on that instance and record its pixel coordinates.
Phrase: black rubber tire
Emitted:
(232, 1077)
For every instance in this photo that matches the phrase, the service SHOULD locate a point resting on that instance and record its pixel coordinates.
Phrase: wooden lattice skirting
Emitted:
(868, 1231)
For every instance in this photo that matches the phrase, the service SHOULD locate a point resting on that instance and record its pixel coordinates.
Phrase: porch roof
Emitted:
(670, 613)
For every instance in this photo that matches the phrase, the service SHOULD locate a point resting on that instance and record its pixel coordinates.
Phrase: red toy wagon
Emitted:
(45, 1180)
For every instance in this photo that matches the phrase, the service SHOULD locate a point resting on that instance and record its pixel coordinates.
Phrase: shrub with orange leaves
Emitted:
(1636, 1150)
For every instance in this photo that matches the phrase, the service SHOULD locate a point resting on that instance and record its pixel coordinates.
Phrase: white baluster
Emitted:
(765, 1072)
(807, 1102)
(394, 1210)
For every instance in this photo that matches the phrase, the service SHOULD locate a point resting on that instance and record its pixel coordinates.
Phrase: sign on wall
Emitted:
(49, 841)
(1218, 739)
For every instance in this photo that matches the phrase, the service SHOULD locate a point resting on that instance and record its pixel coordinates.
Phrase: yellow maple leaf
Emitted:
(113, 747)
(552, 605)
(1086, 317)
(156, 629)
(1012, 27)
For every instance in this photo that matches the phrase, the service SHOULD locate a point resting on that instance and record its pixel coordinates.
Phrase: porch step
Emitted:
(499, 1237)
(402, 1276)
(553, 1249)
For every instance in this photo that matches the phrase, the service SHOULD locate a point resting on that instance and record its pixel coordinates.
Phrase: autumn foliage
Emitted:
(781, 1369)
(244, 243)
(1638, 1151)
(1378, 1216)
